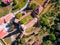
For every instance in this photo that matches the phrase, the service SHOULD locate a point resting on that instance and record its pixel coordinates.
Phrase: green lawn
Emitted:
(25, 20)
(4, 10)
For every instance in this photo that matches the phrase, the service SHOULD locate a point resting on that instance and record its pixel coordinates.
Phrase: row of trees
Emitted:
(54, 34)
(54, 30)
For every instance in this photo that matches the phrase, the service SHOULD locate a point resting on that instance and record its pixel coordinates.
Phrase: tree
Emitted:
(33, 6)
(44, 21)
(59, 2)
(14, 2)
(18, 15)
(52, 37)
(58, 26)
(52, 1)
(48, 42)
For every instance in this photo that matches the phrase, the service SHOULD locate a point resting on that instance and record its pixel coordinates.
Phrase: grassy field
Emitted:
(8, 40)
(25, 20)
(30, 30)
(4, 10)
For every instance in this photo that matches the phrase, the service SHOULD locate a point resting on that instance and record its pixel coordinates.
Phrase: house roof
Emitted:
(7, 1)
(29, 24)
(3, 29)
(40, 8)
(3, 33)
(8, 17)
(36, 43)
(1, 20)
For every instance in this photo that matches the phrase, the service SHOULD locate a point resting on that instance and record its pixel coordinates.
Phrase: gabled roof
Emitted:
(3, 33)
(7, 1)
(8, 17)
(29, 24)
(1, 20)
(36, 43)
(39, 9)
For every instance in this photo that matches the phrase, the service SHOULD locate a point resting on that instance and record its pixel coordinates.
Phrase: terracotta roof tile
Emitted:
(6, 1)
(8, 17)
(1, 20)
(36, 43)
(3, 34)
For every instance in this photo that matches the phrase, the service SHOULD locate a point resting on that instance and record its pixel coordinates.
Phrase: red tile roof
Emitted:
(1, 20)
(3, 33)
(29, 24)
(8, 17)
(40, 8)
(7, 1)
(36, 43)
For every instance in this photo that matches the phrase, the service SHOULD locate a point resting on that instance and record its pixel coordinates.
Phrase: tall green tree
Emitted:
(48, 42)
(33, 6)
(14, 2)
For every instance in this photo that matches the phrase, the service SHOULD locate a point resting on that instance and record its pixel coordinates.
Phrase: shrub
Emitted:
(14, 2)
(18, 15)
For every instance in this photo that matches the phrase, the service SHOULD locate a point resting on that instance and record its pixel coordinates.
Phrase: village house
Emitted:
(29, 24)
(4, 24)
(37, 11)
(6, 18)
(3, 33)
(36, 43)
(7, 1)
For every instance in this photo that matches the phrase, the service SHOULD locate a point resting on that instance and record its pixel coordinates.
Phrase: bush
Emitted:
(52, 37)
(44, 21)
(20, 4)
(14, 2)
(48, 42)
(32, 6)
(18, 15)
